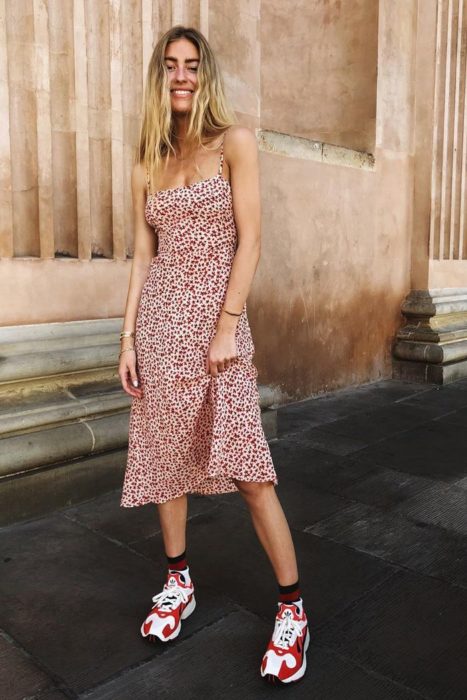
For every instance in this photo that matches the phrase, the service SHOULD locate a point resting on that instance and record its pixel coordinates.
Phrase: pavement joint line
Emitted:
(164, 647)
(355, 602)
(367, 445)
(368, 670)
(395, 565)
(56, 681)
(189, 519)
(99, 533)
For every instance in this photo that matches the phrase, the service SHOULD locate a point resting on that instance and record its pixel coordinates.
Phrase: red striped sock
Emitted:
(177, 563)
(289, 594)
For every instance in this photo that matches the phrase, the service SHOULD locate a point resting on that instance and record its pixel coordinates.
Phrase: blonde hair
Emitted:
(210, 113)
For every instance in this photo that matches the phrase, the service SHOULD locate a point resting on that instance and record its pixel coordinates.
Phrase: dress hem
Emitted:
(193, 491)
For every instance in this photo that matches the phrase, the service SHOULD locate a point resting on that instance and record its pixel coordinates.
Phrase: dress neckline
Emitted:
(186, 187)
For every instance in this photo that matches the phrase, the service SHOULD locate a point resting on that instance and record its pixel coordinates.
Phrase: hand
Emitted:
(222, 351)
(127, 374)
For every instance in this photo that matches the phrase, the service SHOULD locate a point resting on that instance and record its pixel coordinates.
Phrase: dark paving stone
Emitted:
(324, 409)
(455, 418)
(386, 488)
(297, 461)
(440, 505)
(75, 601)
(104, 514)
(433, 451)
(460, 384)
(377, 424)
(52, 695)
(410, 629)
(398, 541)
(387, 391)
(441, 399)
(19, 675)
(329, 442)
(224, 553)
(222, 661)
(461, 484)
(302, 504)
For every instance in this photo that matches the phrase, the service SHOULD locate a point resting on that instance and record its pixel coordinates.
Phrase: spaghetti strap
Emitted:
(221, 159)
(147, 181)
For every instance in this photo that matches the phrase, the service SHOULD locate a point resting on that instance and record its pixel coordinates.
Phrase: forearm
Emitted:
(242, 273)
(138, 276)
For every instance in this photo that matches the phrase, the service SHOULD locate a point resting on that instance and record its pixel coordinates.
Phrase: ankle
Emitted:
(290, 593)
(178, 563)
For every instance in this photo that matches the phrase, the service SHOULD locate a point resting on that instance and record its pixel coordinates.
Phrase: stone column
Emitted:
(432, 346)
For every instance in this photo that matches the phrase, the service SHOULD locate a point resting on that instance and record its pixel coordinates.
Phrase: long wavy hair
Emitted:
(211, 113)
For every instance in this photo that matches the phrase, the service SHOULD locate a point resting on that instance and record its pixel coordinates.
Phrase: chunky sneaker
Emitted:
(285, 657)
(173, 604)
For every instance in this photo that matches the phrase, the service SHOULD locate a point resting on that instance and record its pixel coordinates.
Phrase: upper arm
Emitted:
(241, 152)
(145, 239)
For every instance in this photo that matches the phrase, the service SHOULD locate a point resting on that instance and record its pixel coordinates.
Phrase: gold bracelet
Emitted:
(127, 334)
(231, 313)
(125, 350)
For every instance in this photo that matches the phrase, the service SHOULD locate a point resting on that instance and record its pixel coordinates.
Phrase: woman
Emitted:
(186, 357)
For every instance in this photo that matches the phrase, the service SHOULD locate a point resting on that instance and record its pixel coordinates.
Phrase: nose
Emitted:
(180, 72)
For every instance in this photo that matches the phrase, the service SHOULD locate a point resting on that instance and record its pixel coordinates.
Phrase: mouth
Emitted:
(181, 93)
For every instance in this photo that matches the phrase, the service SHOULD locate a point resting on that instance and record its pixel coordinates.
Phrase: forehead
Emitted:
(181, 49)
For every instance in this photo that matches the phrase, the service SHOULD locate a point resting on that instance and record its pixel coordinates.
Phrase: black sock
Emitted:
(177, 563)
(289, 594)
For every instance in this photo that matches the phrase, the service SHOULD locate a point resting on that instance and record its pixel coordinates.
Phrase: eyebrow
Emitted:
(187, 60)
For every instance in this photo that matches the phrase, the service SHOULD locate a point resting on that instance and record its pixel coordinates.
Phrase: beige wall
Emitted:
(345, 236)
(318, 70)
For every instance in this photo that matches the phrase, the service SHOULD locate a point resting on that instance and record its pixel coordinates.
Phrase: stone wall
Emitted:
(359, 110)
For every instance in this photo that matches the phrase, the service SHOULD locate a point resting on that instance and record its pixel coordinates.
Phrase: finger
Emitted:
(128, 386)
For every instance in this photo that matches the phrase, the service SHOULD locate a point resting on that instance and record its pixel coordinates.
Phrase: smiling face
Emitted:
(181, 61)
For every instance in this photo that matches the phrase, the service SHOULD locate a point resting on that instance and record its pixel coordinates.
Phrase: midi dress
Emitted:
(191, 432)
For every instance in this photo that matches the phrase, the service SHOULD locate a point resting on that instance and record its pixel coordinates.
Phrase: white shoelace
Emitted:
(286, 631)
(171, 597)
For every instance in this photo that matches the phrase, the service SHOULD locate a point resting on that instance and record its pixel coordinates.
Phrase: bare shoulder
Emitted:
(240, 142)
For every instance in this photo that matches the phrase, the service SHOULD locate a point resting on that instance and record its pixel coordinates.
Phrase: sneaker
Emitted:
(173, 604)
(285, 657)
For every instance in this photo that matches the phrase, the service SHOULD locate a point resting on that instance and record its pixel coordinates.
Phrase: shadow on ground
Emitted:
(373, 481)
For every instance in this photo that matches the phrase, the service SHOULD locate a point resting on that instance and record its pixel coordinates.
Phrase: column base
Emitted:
(432, 347)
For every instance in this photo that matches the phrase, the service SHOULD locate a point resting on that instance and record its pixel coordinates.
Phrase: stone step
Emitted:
(64, 415)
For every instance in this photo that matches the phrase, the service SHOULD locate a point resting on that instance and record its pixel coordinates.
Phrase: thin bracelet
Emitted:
(231, 313)
(127, 334)
(125, 350)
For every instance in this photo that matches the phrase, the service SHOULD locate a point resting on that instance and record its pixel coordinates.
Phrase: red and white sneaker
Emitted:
(173, 604)
(285, 657)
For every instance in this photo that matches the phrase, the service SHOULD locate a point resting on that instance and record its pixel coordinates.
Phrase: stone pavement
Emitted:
(373, 481)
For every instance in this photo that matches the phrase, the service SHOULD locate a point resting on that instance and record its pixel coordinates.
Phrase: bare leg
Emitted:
(272, 528)
(172, 517)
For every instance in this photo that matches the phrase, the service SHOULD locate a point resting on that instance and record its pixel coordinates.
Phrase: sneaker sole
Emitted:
(274, 680)
(186, 613)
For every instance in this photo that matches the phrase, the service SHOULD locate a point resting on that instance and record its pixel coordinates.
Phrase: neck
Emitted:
(180, 128)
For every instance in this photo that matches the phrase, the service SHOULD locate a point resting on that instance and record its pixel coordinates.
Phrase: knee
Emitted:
(254, 491)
